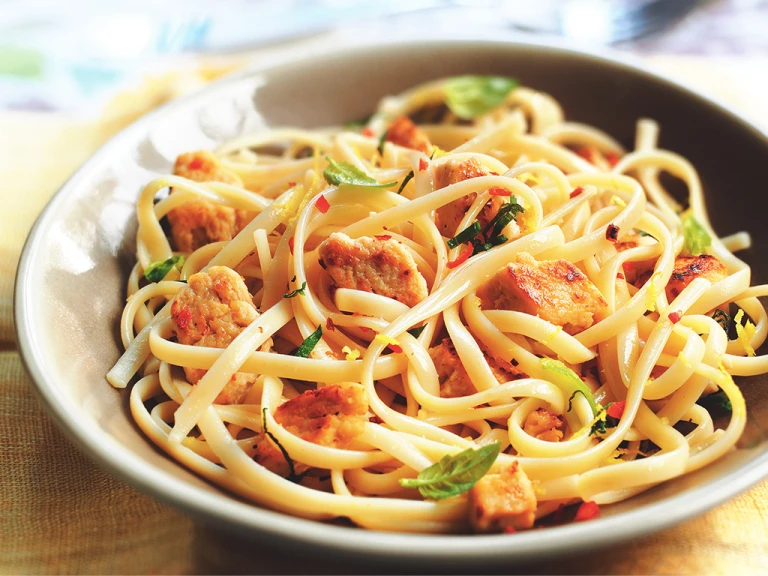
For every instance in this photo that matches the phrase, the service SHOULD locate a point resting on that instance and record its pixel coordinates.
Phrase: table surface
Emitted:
(60, 513)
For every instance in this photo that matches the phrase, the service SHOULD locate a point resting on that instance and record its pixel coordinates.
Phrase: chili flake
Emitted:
(576, 192)
(587, 511)
(322, 204)
(675, 317)
(423, 165)
(612, 233)
(462, 257)
(499, 192)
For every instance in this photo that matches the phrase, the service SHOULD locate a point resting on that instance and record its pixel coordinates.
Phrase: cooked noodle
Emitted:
(574, 185)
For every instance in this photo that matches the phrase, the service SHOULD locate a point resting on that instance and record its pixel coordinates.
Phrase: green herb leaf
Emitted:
(309, 344)
(568, 381)
(291, 468)
(357, 124)
(507, 212)
(416, 332)
(598, 427)
(471, 96)
(717, 401)
(158, 270)
(339, 173)
(296, 292)
(697, 239)
(570, 399)
(726, 322)
(407, 179)
(465, 235)
(454, 475)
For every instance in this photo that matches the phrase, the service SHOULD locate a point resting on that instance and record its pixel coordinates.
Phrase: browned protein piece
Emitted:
(200, 222)
(211, 311)
(687, 268)
(554, 290)
(403, 132)
(501, 501)
(454, 380)
(331, 416)
(379, 265)
(544, 425)
(448, 217)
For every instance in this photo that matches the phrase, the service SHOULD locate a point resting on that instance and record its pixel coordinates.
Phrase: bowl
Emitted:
(72, 274)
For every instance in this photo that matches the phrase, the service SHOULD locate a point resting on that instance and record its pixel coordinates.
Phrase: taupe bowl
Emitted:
(71, 281)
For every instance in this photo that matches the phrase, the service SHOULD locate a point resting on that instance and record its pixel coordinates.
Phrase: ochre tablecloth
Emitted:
(59, 513)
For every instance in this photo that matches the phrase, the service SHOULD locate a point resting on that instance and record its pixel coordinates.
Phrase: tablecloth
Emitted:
(60, 513)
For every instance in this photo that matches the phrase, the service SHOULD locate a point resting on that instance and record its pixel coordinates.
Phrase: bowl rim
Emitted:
(227, 510)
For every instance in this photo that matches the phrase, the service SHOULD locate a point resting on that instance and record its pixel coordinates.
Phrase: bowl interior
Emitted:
(71, 281)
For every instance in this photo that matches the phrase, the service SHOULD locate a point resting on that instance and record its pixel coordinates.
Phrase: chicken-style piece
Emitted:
(454, 380)
(330, 416)
(200, 222)
(544, 425)
(554, 290)
(448, 217)
(403, 132)
(212, 310)
(689, 267)
(502, 501)
(379, 265)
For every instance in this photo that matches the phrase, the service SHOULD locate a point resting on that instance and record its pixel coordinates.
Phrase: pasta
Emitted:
(464, 313)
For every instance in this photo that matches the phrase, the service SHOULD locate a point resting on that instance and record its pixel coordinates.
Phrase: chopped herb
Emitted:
(416, 332)
(339, 173)
(382, 139)
(471, 96)
(465, 235)
(644, 233)
(507, 212)
(599, 426)
(717, 401)
(570, 400)
(454, 475)
(726, 322)
(296, 292)
(309, 344)
(356, 124)
(158, 270)
(405, 181)
(697, 239)
(291, 468)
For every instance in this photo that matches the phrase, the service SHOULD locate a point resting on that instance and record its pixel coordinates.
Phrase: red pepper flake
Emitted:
(587, 511)
(493, 173)
(577, 191)
(620, 276)
(423, 165)
(195, 164)
(510, 530)
(368, 131)
(291, 241)
(291, 184)
(674, 317)
(365, 328)
(395, 348)
(612, 158)
(322, 204)
(499, 192)
(616, 409)
(329, 325)
(184, 317)
(375, 420)
(383, 237)
(587, 153)
(612, 233)
(462, 257)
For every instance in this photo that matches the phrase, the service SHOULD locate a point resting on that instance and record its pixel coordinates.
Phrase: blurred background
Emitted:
(73, 73)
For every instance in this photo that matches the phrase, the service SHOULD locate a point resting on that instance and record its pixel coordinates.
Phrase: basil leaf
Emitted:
(465, 235)
(471, 96)
(507, 212)
(158, 270)
(339, 173)
(405, 181)
(296, 292)
(718, 400)
(697, 239)
(416, 332)
(568, 381)
(309, 344)
(454, 475)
